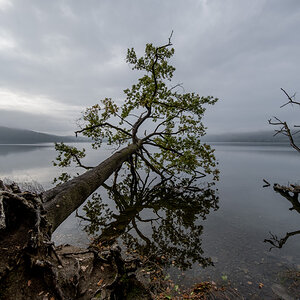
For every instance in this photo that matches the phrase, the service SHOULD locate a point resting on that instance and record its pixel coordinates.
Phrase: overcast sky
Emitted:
(58, 57)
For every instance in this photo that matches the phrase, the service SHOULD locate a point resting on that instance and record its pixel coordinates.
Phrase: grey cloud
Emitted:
(74, 52)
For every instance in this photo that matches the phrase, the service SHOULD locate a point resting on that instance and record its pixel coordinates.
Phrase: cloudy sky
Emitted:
(58, 57)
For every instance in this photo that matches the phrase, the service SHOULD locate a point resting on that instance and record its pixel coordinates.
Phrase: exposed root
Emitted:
(31, 267)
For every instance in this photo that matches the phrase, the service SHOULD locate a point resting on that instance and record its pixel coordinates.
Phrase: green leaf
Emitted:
(224, 277)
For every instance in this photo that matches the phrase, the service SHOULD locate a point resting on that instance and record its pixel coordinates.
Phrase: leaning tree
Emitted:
(158, 128)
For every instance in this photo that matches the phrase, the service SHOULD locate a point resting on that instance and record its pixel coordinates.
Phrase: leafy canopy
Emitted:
(165, 123)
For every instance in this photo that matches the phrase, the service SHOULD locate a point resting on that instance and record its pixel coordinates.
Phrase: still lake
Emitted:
(233, 235)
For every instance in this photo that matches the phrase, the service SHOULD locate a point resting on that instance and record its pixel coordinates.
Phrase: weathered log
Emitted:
(291, 193)
(291, 188)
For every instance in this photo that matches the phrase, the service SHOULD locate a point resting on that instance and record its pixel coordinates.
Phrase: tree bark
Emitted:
(62, 200)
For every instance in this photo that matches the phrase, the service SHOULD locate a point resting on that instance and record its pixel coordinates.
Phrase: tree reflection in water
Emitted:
(173, 209)
(290, 193)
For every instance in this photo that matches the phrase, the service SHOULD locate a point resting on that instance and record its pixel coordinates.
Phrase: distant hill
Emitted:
(23, 136)
(261, 136)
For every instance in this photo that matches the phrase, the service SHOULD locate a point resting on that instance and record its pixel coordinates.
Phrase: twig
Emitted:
(291, 101)
(103, 125)
(266, 183)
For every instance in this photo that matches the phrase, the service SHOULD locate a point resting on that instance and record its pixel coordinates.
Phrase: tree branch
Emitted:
(162, 134)
(155, 170)
(285, 130)
(103, 125)
(278, 243)
(80, 164)
(122, 119)
(141, 120)
(291, 101)
(163, 147)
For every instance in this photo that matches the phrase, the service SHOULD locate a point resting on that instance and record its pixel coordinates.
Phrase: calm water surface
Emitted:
(233, 236)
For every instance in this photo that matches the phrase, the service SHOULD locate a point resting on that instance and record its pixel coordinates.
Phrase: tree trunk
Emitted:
(62, 200)
(31, 267)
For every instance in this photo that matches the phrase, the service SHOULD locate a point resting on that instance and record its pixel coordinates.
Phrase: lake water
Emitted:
(233, 235)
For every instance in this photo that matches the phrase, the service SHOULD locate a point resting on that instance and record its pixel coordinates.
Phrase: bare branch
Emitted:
(285, 130)
(266, 183)
(291, 101)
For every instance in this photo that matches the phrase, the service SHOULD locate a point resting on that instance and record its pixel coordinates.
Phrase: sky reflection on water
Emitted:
(233, 236)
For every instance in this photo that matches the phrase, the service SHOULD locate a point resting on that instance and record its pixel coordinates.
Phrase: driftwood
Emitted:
(295, 189)
(291, 193)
